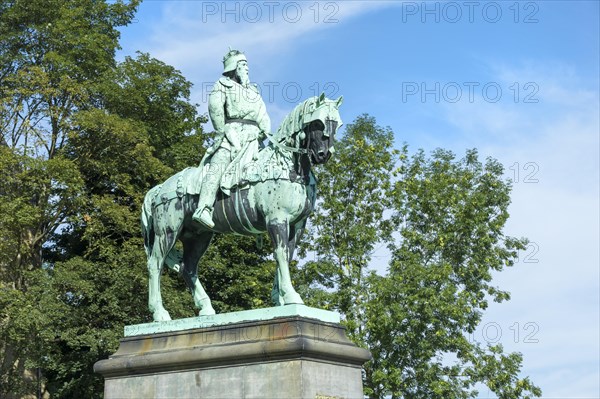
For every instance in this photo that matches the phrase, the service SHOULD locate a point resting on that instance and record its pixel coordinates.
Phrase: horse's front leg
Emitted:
(155, 304)
(193, 249)
(283, 292)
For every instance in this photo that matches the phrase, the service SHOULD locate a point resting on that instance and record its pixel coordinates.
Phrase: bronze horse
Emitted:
(276, 194)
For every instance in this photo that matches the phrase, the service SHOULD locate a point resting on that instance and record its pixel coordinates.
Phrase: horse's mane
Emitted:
(294, 121)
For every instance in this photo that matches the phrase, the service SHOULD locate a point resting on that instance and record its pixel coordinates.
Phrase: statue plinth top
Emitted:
(232, 317)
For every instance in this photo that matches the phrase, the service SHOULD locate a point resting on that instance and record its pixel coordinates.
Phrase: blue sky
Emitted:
(517, 80)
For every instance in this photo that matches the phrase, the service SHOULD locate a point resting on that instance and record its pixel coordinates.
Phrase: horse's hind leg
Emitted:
(193, 249)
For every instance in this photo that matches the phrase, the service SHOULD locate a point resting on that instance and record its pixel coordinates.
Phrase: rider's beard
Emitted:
(244, 79)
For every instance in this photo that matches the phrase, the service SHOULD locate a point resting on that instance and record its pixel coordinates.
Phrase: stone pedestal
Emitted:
(286, 356)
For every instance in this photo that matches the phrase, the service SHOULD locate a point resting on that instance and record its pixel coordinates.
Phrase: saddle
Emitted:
(249, 166)
(243, 171)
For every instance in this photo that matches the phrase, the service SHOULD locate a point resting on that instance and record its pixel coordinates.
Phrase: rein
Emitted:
(297, 150)
(298, 168)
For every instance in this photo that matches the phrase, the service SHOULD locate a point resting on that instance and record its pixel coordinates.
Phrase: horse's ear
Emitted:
(321, 99)
(339, 101)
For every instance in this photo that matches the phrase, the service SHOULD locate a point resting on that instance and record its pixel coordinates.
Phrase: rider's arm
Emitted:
(263, 120)
(216, 107)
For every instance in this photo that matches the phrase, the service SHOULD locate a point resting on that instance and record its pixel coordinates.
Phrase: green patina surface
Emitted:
(233, 317)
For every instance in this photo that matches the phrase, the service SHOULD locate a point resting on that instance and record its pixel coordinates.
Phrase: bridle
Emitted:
(302, 146)
(301, 168)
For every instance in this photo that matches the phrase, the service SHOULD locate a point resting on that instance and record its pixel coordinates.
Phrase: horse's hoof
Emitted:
(209, 311)
(277, 299)
(161, 315)
(292, 298)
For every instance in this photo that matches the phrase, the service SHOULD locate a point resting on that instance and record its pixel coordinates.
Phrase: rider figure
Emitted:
(239, 116)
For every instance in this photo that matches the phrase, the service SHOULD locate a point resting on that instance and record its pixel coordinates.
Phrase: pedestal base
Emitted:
(286, 357)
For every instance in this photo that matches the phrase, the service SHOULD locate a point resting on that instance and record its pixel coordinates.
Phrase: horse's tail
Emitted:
(147, 220)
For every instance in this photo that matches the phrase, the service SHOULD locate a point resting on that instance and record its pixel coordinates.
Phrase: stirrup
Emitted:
(204, 217)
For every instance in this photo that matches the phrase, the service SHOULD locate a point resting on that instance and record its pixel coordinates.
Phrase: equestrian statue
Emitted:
(240, 186)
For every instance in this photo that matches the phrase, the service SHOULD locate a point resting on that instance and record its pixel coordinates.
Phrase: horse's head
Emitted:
(310, 128)
(321, 120)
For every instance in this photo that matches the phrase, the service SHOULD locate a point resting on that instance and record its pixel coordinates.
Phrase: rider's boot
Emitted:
(204, 217)
(210, 185)
(203, 214)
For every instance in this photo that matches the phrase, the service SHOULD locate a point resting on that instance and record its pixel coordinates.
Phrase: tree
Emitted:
(348, 221)
(99, 272)
(51, 54)
(237, 274)
(442, 219)
(99, 268)
(84, 138)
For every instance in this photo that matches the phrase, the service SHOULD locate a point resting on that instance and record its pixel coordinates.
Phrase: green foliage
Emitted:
(236, 274)
(349, 220)
(86, 305)
(83, 139)
(99, 254)
(19, 316)
(76, 162)
(148, 90)
(442, 220)
(51, 55)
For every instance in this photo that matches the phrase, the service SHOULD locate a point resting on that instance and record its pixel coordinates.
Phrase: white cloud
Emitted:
(192, 35)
